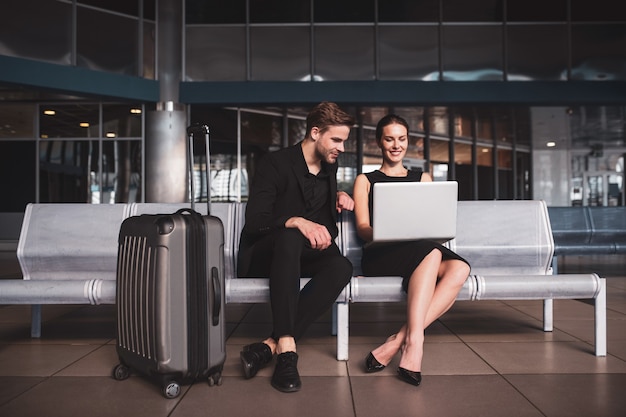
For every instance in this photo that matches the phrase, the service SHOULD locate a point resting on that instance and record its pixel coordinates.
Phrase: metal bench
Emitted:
(510, 247)
(68, 256)
(68, 253)
(588, 230)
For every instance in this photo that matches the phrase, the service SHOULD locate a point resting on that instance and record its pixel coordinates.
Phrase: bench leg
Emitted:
(600, 319)
(35, 321)
(548, 315)
(343, 324)
(333, 330)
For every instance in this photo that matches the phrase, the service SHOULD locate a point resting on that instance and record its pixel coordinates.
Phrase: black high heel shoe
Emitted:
(372, 364)
(410, 377)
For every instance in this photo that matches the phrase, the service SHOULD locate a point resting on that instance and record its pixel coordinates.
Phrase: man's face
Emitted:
(329, 144)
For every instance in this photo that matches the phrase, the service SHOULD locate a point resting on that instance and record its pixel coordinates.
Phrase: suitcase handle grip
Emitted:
(217, 295)
(188, 210)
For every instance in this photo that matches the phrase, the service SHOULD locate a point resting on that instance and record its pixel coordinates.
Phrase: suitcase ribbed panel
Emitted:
(136, 284)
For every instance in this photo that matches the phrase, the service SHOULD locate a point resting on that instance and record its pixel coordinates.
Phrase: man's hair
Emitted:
(327, 114)
(387, 120)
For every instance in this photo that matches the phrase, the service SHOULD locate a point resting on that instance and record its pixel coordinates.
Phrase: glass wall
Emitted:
(240, 136)
(105, 35)
(429, 40)
(61, 152)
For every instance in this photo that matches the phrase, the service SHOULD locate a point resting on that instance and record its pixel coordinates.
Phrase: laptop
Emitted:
(414, 210)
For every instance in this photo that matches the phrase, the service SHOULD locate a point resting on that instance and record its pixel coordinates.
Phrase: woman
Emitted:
(432, 274)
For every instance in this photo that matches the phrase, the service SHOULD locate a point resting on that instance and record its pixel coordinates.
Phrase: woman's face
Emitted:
(394, 142)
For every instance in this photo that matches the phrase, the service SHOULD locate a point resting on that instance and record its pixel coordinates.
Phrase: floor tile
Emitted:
(440, 396)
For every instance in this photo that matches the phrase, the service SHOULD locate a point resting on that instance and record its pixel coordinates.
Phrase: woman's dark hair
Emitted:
(389, 120)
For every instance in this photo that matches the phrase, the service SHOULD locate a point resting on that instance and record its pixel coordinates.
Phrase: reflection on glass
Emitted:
(597, 52)
(472, 53)
(121, 120)
(215, 53)
(439, 151)
(484, 156)
(68, 120)
(280, 53)
(537, 52)
(118, 180)
(119, 52)
(16, 120)
(344, 53)
(43, 32)
(408, 52)
(64, 170)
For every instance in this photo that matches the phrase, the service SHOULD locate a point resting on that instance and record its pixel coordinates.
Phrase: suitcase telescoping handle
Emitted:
(194, 130)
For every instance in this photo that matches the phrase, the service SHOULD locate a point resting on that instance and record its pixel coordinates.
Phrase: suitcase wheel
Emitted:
(121, 372)
(215, 379)
(171, 389)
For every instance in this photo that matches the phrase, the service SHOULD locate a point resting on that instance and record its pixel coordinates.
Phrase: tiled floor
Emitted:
(482, 358)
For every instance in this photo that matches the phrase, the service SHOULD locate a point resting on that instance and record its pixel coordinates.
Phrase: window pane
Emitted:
(408, 11)
(463, 153)
(44, 35)
(537, 52)
(536, 10)
(484, 156)
(438, 117)
(215, 11)
(439, 151)
(597, 52)
(504, 158)
(106, 42)
(344, 53)
(16, 120)
(64, 170)
(121, 120)
(280, 53)
(17, 160)
(408, 52)
(344, 11)
(472, 53)
(215, 54)
(149, 50)
(280, 11)
(68, 121)
(264, 131)
(472, 11)
(121, 173)
(598, 10)
(130, 7)
(297, 130)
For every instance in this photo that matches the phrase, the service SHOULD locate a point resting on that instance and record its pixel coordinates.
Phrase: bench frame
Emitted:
(38, 290)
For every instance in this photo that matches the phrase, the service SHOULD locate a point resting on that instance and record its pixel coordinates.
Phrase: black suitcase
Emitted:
(170, 296)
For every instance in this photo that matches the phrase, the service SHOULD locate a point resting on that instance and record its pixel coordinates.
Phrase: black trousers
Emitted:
(284, 256)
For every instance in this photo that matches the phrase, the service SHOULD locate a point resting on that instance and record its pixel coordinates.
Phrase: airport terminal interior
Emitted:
(513, 99)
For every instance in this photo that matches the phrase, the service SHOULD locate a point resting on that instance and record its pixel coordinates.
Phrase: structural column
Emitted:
(166, 150)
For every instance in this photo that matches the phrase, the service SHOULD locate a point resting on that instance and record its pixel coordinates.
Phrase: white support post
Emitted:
(600, 319)
(35, 321)
(548, 315)
(343, 331)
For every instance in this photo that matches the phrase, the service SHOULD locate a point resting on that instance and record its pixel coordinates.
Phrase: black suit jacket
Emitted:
(276, 194)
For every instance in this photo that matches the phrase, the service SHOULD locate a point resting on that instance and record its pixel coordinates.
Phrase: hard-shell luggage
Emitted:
(170, 295)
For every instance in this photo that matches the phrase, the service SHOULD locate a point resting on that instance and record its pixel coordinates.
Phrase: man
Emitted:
(290, 233)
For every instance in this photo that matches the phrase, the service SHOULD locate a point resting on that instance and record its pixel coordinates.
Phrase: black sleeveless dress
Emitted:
(398, 258)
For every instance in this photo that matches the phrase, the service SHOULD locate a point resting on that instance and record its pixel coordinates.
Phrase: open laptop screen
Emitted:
(414, 210)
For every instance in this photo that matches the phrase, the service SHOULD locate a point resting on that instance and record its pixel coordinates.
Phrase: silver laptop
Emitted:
(415, 210)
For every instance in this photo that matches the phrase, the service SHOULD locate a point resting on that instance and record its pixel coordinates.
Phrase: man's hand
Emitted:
(344, 202)
(317, 234)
